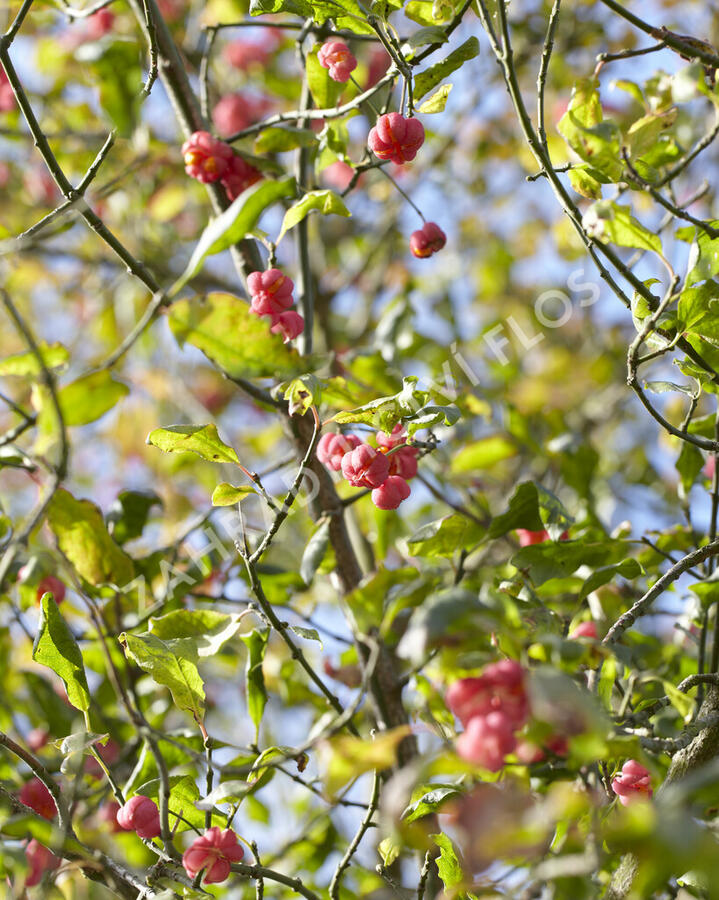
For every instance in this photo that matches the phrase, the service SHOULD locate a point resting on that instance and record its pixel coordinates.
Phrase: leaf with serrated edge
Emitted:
(200, 439)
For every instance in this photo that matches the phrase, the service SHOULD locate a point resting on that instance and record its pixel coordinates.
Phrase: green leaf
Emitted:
(233, 224)
(703, 260)
(89, 398)
(308, 634)
(57, 717)
(208, 630)
(302, 393)
(523, 512)
(609, 222)
(346, 757)
(385, 412)
(325, 202)
(448, 864)
(483, 454)
(238, 342)
(664, 387)
(645, 132)
(586, 181)
(707, 591)
(81, 402)
(389, 850)
(170, 663)
(85, 541)
(446, 613)
(384, 8)
(698, 309)
(430, 34)
(280, 139)
(583, 127)
(437, 102)
(128, 515)
(74, 748)
(689, 464)
(184, 801)
(55, 356)
(229, 494)
(345, 13)
(551, 559)
(432, 798)
(325, 91)
(631, 88)
(445, 536)
(227, 792)
(295, 7)
(556, 699)
(683, 703)
(430, 415)
(315, 551)
(366, 602)
(627, 568)
(119, 68)
(55, 647)
(200, 439)
(430, 78)
(255, 691)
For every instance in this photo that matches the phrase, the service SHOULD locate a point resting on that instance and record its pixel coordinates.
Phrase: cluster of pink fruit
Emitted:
(398, 138)
(393, 137)
(492, 707)
(208, 160)
(338, 58)
(385, 469)
(271, 295)
(632, 783)
(213, 852)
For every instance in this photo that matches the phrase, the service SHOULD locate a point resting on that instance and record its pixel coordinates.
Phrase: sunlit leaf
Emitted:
(425, 81)
(55, 647)
(325, 202)
(240, 343)
(83, 538)
(171, 663)
(234, 223)
(200, 439)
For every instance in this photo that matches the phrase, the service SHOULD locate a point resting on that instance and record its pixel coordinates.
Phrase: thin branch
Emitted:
(544, 69)
(335, 112)
(604, 58)
(284, 510)
(258, 871)
(669, 38)
(641, 607)
(305, 286)
(152, 41)
(73, 13)
(365, 824)
(205, 71)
